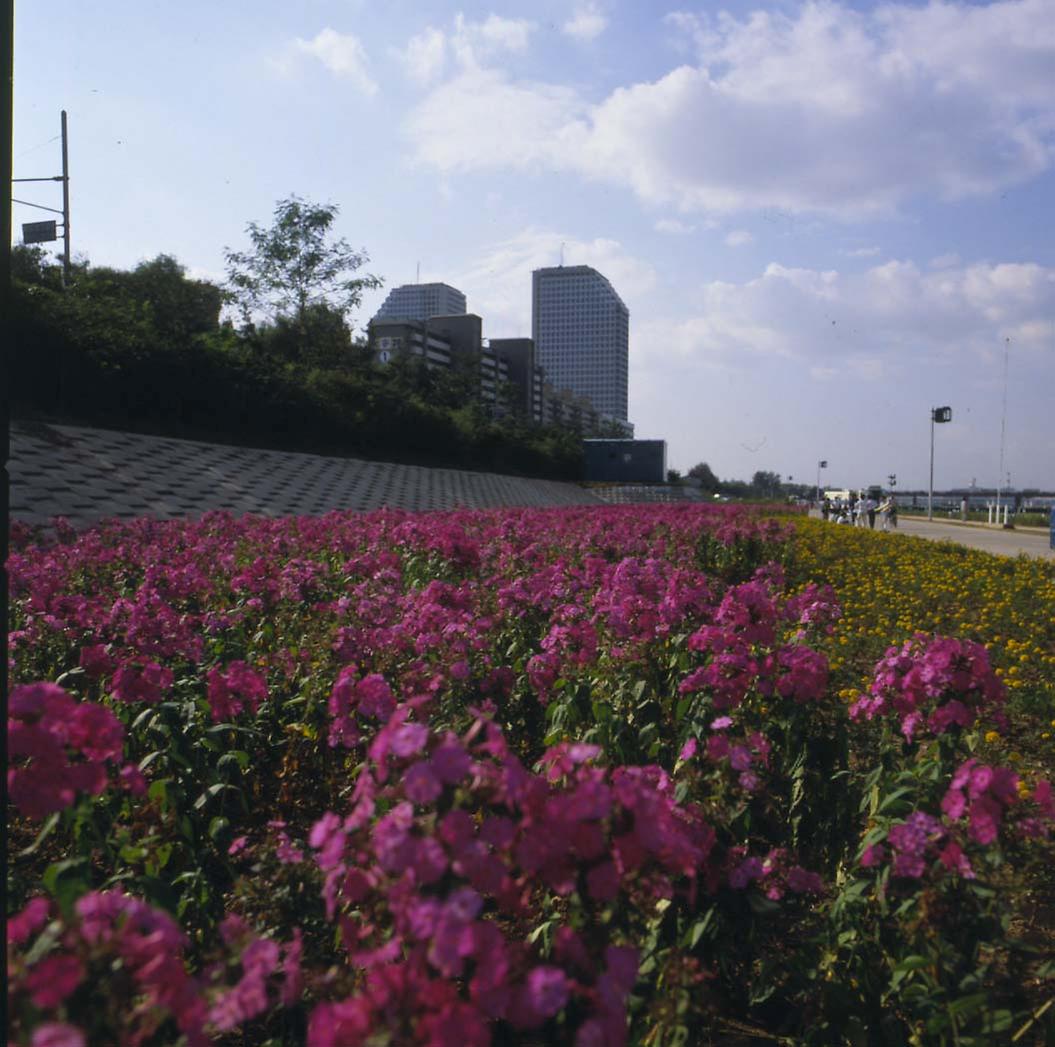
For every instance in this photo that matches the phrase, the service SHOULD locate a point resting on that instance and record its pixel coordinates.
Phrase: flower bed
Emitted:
(574, 776)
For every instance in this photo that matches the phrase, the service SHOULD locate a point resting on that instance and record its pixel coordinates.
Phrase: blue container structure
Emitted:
(625, 461)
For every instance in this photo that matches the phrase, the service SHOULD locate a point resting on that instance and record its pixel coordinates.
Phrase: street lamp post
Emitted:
(1003, 428)
(823, 464)
(937, 415)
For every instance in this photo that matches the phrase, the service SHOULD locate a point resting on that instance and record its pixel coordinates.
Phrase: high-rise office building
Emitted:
(581, 329)
(421, 301)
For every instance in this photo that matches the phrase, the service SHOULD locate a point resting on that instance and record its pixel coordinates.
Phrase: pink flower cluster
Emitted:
(441, 857)
(450, 849)
(772, 874)
(113, 932)
(974, 806)
(259, 960)
(743, 756)
(936, 682)
(231, 689)
(110, 927)
(743, 651)
(58, 747)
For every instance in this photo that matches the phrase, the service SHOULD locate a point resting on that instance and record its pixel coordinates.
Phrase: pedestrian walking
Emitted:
(884, 513)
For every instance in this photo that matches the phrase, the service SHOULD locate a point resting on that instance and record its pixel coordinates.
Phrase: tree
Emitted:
(320, 339)
(766, 484)
(702, 472)
(295, 266)
(673, 476)
(181, 307)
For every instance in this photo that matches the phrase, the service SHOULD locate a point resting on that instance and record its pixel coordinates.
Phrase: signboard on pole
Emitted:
(39, 232)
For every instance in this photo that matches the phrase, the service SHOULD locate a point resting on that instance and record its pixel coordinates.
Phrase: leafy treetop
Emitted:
(294, 265)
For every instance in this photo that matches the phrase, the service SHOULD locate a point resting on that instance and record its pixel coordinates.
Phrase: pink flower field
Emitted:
(569, 776)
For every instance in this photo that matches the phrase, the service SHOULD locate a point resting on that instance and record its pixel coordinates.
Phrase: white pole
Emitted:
(930, 489)
(1003, 424)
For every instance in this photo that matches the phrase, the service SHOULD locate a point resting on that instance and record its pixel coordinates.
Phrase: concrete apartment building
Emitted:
(509, 379)
(512, 379)
(420, 302)
(581, 330)
(443, 341)
(526, 378)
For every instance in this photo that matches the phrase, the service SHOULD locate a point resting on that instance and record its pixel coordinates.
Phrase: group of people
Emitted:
(861, 511)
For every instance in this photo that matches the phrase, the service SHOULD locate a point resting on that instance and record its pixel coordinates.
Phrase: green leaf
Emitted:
(231, 761)
(149, 759)
(967, 1005)
(218, 827)
(892, 798)
(147, 714)
(212, 791)
(699, 928)
(762, 905)
(45, 831)
(912, 963)
(66, 881)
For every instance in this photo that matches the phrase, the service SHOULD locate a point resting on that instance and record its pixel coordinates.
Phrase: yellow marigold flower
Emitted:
(992, 736)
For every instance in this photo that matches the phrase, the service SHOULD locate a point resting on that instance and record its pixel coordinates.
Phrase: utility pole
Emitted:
(45, 232)
(65, 203)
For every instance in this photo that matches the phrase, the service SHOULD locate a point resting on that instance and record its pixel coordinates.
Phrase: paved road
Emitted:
(87, 474)
(990, 539)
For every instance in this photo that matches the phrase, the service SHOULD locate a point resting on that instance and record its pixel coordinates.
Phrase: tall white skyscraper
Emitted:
(421, 301)
(581, 329)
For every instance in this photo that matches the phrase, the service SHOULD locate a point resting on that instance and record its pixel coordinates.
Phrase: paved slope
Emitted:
(87, 474)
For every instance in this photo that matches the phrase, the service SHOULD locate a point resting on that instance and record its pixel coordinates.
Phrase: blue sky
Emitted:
(825, 218)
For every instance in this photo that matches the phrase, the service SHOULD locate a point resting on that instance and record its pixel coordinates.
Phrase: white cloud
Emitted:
(513, 125)
(888, 319)
(341, 53)
(499, 283)
(470, 44)
(672, 225)
(425, 55)
(475, 42)
(945, 261)
(586, 23)
(739, 238)
(861, 252)
(826, 109)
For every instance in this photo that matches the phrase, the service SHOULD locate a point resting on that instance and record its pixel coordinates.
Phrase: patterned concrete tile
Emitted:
(89, 474)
